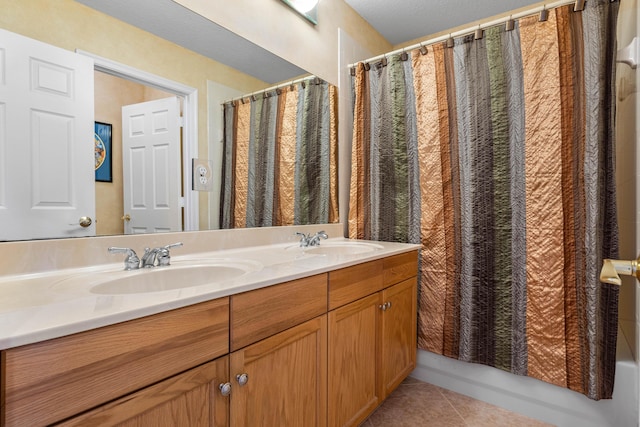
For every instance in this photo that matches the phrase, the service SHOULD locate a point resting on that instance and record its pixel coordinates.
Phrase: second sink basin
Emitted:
(179, 275)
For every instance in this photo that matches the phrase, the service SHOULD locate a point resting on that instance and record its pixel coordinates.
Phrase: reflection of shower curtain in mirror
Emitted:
(497, 156)
(280, 163)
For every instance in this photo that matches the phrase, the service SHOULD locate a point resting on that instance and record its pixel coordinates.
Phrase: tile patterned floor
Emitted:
(416, 404)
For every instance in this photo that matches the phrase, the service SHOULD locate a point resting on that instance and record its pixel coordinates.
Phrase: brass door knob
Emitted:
(85, 221)
(126, 217)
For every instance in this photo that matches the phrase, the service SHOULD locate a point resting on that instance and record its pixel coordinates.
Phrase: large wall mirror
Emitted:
(164, 38)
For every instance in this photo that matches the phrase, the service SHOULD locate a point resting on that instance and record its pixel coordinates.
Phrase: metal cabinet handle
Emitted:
(225, 389)
(242, 379)
(126, 217)
(85, 221)
(386, 306)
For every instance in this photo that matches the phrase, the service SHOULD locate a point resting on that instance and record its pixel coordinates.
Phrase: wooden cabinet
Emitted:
(317, 351)
(372, 340)
(398, 327)
(280, 337)
(354, 342)
(286, 379)
(47, 382)
(189, 399)
(264, 312)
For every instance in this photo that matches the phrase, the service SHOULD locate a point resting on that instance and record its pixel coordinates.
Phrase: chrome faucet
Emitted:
(307, 240)
(304, 239)
(315, 240)
(160, 255)
(149, 257)
(164, 257)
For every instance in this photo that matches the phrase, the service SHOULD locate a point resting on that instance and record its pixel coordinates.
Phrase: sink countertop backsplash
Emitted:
(37, 302)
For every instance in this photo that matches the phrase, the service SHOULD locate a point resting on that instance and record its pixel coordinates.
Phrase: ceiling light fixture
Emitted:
(306, 8)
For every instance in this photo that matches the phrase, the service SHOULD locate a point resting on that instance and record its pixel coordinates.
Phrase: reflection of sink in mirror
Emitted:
(179, 275)
(343, 248)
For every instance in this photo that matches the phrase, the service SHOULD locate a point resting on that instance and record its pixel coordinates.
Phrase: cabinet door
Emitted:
(189, 399)
(399, 327)
(286, 379)
(353, 357)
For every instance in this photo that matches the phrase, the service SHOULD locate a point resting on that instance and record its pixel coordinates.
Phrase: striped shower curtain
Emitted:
(497, 155)
(280, 164)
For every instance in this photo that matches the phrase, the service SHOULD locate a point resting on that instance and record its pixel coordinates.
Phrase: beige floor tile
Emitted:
(415, 404)
(477, 413)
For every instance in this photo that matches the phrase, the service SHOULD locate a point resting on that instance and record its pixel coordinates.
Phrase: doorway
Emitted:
(189, 97)
(112, 93)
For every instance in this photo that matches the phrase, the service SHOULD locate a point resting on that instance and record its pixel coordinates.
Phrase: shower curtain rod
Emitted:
(292, 82)
(579, 5)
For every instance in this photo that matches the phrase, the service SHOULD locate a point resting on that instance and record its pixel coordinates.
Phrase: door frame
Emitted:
(189, 124)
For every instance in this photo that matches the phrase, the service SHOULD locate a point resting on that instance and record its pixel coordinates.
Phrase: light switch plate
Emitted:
(202, 176)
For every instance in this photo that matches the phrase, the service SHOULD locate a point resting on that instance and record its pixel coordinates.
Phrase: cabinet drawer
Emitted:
(400, 267)
(264, 312)
(352, 283)
(49, 381)
(189, 399)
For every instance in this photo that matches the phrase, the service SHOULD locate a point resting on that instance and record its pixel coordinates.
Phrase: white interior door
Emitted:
(151, 166)
(47, 180)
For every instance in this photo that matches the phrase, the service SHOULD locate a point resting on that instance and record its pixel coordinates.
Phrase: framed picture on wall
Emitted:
(102, 142)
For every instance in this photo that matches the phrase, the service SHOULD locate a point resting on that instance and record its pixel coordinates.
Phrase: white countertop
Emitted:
(41, 306)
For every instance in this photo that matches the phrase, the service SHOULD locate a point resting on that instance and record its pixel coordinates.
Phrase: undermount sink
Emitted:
(179, 275)
(343, 248)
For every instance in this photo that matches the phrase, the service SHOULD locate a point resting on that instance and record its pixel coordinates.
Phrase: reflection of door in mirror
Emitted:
(111, 94)
(151, 166)
(46, 166)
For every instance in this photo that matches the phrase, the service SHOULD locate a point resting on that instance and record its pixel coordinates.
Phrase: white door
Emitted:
(151, 166)
(47, 179)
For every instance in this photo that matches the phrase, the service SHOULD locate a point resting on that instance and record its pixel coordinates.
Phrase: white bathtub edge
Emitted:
(537, 399)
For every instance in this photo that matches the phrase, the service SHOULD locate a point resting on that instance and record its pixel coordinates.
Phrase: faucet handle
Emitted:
(173, 245)
(164, 257)
(131, 261)
(315, 240)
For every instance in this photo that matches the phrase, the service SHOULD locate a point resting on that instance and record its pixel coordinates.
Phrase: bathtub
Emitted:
(537, 399)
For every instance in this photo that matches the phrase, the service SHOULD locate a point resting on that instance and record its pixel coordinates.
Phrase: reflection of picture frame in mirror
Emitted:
(306, 8)
(102, 151)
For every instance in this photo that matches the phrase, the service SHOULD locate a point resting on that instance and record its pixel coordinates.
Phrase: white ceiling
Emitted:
(402, 20)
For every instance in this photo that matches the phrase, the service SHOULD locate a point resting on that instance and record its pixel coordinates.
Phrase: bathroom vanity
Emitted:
(311, 339)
